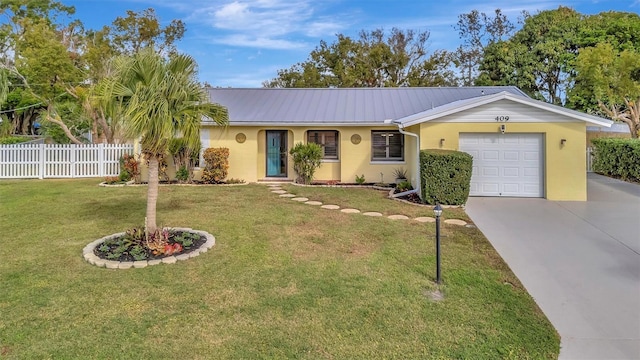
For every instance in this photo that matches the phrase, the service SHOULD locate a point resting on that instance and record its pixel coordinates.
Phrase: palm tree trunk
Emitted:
(152, 194)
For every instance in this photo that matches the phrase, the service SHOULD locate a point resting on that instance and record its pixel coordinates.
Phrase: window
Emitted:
(327, 139)
(387, 146)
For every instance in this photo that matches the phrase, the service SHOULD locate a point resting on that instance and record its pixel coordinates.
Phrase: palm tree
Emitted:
(160, 99)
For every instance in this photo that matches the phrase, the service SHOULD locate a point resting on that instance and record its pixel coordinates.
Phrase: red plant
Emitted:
(171, 249)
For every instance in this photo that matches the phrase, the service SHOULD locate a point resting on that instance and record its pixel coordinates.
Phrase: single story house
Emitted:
(521, 147)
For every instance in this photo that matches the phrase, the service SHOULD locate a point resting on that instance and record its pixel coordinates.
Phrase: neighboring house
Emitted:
(521, 147)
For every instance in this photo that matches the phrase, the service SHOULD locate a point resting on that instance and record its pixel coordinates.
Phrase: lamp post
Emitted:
(437, 211)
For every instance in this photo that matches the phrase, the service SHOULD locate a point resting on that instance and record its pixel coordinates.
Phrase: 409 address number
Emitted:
(502, 118)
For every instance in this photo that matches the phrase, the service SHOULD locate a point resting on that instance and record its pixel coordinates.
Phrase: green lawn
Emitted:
(285, 280)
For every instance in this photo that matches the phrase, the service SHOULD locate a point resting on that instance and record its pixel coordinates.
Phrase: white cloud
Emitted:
(258, 42)
(268, 24)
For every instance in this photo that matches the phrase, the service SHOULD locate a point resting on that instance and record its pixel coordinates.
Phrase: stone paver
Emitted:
(288, 195)
(169, 260)
(300, 199)
(425, 219)
(455, 222)
(350, 211)
(316, 203)
(330, 207)
(372, 213)
(398, 217)
(140, 264)
(279, 191)
(125, 265)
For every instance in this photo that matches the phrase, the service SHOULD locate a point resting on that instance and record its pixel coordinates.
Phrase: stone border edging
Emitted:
(93, 259)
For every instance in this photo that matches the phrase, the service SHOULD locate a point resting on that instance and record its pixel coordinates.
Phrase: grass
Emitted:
(285, 280)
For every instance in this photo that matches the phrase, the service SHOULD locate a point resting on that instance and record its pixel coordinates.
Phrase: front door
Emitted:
(276, 153)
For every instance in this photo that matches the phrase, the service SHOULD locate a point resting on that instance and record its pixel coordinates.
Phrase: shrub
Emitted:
(360, 179)
(184, 156)
(446, 176)
(403, 186)
(217, 165)
(182, 174)
(618, 158)
(400, 173)
(129, 168)
(10, 140)
(306, 160)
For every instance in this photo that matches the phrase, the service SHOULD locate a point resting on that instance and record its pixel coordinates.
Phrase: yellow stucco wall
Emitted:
(247, 160)
(564, 165)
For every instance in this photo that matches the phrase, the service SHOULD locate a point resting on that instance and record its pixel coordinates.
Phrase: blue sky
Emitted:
(241, 43)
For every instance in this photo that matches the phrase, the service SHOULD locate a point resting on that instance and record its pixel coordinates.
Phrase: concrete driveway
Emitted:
(579, 260)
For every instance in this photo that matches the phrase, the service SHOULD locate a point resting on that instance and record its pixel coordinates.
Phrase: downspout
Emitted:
(402, 131)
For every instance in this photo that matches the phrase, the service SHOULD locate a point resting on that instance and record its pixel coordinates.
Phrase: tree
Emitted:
(375, 59)
(610, 78)
(538, 57)
(478, 30)
(141, 30)
(160, 98)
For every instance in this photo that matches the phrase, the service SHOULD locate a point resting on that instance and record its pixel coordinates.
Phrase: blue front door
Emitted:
(276, 153)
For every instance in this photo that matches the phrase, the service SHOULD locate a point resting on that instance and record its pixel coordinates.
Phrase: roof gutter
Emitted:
(402, 131)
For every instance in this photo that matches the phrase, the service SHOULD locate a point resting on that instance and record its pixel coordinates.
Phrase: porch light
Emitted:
(437, 211)
(563, 141)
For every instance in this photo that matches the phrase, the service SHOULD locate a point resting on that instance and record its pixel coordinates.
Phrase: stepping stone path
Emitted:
(372, 213)
(276, 189)
(350, 211)
(330, 207)
(455, 222)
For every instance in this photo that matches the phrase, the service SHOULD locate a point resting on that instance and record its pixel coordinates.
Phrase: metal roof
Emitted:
(340, 106)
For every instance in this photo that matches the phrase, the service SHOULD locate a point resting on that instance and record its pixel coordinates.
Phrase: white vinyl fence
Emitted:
(23, 161)
(589, 159)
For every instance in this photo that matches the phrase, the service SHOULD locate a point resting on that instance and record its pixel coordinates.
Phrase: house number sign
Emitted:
(502, 118)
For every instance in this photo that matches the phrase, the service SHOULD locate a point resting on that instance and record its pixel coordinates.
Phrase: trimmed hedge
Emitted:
(446, 176)
(619, 158)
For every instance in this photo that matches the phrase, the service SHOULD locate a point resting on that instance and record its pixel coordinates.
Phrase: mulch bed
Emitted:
(150, 255)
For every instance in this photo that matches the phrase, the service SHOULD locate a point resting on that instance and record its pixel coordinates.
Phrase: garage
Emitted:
(505, 164)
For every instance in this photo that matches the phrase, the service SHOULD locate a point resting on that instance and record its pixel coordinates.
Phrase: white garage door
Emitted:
(505, 164)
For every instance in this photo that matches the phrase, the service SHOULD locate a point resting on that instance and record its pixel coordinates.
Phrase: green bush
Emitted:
(185, 157)
(618, 158)
(446, 176)
(306, 160)
(217, 165)
(10, 140)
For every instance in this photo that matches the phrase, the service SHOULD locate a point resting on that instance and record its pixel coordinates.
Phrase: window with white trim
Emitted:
(328, 140)
(387, 146)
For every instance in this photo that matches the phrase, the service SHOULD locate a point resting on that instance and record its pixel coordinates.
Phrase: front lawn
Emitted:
(285, 280)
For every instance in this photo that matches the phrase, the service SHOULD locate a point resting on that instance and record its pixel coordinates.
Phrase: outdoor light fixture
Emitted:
(442, 142)
(563, 141)
(437, 211)
(503, 128)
